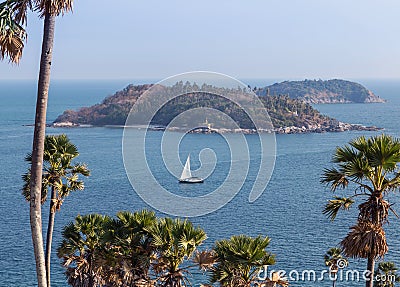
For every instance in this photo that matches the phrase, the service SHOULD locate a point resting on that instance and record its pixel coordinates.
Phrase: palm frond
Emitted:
(239, 259)
(26, 188)
(332, 258)
(385, 152)
(205, 259)
(28, 157)
(334, 177)
(360, 144)
(333, 206)
(21, 8)
(344, 154)
(386, 275)
(358, 168)
(53, 7)
(12, 35)
(81, 169)
(364, 240)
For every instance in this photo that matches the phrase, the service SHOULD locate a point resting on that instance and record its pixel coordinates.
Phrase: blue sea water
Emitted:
(289, 211)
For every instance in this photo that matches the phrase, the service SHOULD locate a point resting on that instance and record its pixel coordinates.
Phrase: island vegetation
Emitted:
(287, 115)
(322, 92)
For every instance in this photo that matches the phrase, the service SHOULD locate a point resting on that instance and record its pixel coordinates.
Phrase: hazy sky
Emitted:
(288, 39)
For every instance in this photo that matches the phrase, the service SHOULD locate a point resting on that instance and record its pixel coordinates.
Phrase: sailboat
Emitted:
(186, 176)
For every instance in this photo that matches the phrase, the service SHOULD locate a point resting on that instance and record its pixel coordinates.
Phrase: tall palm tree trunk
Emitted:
(370, 267)
(49, 238)
(38, 147)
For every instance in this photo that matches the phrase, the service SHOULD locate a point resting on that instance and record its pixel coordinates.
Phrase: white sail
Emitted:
(186, 170)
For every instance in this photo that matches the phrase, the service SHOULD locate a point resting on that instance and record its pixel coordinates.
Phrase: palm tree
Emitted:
(13, 19)
(371, 167)
(386, 275)
(239, 261)
(175, 241)
(60, 177)
(335, 260)
(130, 249)
(81, 250)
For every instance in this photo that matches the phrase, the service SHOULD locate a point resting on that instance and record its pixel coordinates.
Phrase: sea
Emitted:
(289, 211)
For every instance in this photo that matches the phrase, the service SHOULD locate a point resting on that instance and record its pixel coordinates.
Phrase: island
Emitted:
(287, 114)
(322, 92)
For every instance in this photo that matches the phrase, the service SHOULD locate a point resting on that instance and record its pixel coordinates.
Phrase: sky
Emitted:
(285, 39)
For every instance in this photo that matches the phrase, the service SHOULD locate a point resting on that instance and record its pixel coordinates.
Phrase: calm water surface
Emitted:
(289, 211)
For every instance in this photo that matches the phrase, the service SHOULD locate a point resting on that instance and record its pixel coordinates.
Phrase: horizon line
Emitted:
(239, 78)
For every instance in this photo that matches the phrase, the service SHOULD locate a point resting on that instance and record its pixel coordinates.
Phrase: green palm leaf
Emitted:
(333, 207)
(239, 259)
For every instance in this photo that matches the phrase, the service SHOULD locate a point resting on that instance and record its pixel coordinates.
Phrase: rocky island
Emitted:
(288, 115)
(322, 92)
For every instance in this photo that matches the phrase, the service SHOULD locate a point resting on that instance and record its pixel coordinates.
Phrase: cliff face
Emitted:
(322, 92)
(112, 111)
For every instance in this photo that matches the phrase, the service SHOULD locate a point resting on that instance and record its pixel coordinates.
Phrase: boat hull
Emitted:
(192, 180)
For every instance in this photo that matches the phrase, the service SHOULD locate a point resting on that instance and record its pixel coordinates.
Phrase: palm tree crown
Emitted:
(58, 171)
(13, 19)
(128, 248)
(334, 256)
(371, 165)
(175, 240)
(79, 250)
(239, 260)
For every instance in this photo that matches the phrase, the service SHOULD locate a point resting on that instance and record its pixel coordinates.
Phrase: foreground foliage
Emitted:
(140, 249)
(13, 21)
(240, 259)
(369, 168)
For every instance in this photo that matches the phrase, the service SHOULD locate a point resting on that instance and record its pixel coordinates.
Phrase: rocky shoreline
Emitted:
(341, 127)
(316, 128)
